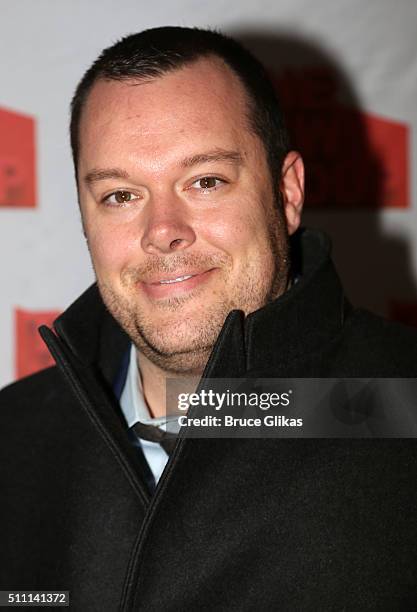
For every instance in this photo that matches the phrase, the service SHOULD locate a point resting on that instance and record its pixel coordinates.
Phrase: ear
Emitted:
(292, 189)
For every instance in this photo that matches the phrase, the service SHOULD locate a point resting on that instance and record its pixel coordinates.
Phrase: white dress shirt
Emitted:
(134, 408)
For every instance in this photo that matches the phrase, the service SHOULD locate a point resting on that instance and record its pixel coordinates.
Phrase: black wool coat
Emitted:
(236, 524)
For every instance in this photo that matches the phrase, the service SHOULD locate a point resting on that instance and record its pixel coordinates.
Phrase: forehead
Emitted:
(204, 100)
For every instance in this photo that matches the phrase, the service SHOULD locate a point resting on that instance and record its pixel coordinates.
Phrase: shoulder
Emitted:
(387, 346)
(35, 383)
(382, 332)
(31, 394)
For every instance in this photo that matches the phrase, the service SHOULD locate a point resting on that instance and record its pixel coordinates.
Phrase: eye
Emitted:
(119, 198)
(207, 183)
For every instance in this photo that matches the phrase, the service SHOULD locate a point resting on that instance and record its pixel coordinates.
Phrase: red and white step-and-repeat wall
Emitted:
(346, 71)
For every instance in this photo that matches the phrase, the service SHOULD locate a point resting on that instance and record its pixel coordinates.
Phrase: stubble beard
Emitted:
(181, 344)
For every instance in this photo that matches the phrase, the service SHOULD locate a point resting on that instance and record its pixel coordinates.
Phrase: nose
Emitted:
(167, 228)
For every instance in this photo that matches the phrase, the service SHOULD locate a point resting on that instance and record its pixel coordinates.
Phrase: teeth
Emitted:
(175, 280)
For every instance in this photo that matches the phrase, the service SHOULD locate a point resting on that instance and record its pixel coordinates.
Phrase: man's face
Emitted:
(178, 208)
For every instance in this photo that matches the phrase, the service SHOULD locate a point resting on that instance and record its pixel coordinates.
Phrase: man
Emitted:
(189, 195)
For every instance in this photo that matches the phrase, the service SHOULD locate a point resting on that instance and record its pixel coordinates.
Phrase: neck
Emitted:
(154, 383)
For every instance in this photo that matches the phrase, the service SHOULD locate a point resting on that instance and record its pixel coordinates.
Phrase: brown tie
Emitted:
(153, 434)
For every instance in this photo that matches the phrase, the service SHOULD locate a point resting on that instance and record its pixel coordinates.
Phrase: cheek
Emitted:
(111, 248)
(244, 233)
(225, 234)
(232, 226)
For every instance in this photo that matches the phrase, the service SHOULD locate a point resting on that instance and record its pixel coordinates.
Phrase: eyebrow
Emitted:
(101, 174)
(218, 155)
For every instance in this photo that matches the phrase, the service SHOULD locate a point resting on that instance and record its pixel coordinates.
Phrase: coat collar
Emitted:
(305, 317)
(297, 323)
(92, 334)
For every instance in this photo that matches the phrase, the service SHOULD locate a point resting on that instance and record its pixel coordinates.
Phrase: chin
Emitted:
(174, 349)
(177, 341)
(173, 336)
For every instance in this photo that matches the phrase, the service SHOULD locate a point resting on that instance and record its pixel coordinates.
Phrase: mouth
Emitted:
(175, 285)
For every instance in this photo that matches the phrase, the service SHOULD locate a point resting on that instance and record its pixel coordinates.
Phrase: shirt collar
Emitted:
(132, 401)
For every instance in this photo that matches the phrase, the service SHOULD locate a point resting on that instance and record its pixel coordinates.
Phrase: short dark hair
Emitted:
(152, 53)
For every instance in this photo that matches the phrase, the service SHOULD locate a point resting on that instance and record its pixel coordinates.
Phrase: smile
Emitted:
(177, 286)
